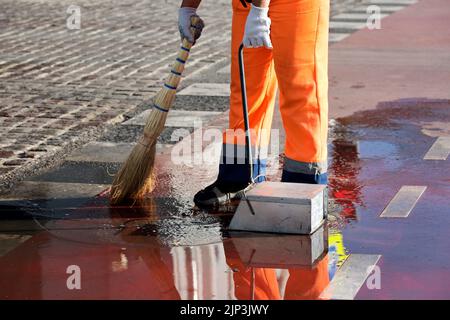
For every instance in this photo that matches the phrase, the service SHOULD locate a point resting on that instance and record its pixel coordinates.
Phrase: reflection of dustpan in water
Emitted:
(261, 250)
(274, 206)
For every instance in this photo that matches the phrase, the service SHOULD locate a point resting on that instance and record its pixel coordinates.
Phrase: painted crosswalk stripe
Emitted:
(354, 17)
(207, 89)
(183, 118)
(8, 242)
(345, 27)
(403, 202)
(391, 2)
(102, 152)
(31, 190)
(349, 279)
(105, 152)
(177, 118)
(336, 37)
(345, 23)
(382, 8)
(439, 150)
(224, 70)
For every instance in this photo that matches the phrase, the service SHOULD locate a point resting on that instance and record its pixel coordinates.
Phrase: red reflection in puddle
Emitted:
(122, 265)
(344, 185)
(125, 253)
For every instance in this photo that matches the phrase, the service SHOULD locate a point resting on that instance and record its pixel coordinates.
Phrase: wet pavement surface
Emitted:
(164, 248)
(380, 151)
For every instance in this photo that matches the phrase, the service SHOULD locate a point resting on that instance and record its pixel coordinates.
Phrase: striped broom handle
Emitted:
(178, 67)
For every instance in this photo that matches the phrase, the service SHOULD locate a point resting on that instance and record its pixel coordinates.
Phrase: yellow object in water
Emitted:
(336, 246)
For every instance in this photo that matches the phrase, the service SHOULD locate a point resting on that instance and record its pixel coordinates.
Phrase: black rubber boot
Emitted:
(218, 194)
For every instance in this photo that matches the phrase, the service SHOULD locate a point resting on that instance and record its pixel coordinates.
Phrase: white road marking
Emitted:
(207, 89)
(391, 2)
(102, 152)
(105, 152)
(181, 118)
(439, 150)
(383, 9)
(349, 279)
(225, 70)
(336, 37)
(354, 17)
(53, 190)
(177, 118)
(403, 202)
(348, 26)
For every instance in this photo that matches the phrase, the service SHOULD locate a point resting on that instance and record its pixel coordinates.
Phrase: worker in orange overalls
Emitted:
(286, 45)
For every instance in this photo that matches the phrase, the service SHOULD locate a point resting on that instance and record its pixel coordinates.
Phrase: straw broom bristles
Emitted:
(136, 178)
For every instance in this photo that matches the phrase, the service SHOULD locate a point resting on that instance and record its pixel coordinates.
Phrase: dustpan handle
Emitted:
(248, 145)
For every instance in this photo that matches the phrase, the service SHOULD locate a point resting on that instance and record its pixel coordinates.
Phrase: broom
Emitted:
(136, 178)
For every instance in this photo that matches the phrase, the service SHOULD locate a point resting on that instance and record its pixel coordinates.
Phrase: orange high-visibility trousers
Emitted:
(304, 283)
(262, 282)
(307, 284)
(298, 66)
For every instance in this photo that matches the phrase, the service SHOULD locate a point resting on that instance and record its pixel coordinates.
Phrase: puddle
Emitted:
(145, 253)
(164, 248)
(374, 154)
(376, 149)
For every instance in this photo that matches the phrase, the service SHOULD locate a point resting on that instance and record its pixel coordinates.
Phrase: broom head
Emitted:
(136, 178)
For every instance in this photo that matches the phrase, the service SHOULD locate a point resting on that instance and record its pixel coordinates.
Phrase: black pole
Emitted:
(248, 146)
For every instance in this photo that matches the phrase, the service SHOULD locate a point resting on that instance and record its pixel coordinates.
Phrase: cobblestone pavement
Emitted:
(60, 88)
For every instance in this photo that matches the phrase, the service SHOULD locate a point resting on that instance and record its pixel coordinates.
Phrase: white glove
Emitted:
(257, 28)
(184, 23)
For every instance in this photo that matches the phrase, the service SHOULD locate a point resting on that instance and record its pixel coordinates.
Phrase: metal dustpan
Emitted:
(278, 207)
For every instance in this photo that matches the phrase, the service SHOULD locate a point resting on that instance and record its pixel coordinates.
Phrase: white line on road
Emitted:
(336, 37)
(403, 202)
(102, 152)
(30, 190)
(391, 2)
(439, 150)
(177, 118)
(383, 9)
(106, 152)
(349, 279)
(348, 26)
(207, 89)
(224, 70)
(353, 17)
